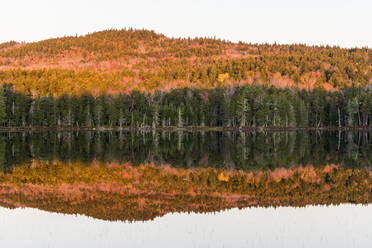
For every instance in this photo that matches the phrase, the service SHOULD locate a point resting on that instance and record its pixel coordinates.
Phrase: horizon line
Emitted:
(271, 43)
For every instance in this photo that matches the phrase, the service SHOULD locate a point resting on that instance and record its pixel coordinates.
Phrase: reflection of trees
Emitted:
(229, 150)
(2, 153)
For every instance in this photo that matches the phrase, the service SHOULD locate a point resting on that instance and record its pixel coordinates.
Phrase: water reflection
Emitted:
(228, 150)
(139, 176)
(334, 226)
(113, 191)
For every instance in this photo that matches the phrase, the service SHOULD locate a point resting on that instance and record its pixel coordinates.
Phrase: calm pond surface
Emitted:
(314, 226)
(182, 189)
(227, 150)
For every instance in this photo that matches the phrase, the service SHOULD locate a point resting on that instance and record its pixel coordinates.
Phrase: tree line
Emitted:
(243, 106)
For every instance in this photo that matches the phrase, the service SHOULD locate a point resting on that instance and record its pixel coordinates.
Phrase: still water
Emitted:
(42, 171)
(226, 150)
(313, 226)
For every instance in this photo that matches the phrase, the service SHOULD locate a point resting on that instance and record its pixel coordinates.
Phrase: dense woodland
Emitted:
(120, 61)
(242, 106)
(137, 78)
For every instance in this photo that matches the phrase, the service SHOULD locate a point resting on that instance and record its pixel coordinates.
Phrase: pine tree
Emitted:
(352, 109)
(241, 108)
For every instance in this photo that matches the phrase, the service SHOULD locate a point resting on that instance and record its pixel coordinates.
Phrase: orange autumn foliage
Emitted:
(120, 61)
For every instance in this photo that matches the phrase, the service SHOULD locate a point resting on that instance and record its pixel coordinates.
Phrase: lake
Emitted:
(185, 189)
(229, 150)
(314, 226)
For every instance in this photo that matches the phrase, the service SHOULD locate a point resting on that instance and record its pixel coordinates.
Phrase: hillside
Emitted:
(120, 61)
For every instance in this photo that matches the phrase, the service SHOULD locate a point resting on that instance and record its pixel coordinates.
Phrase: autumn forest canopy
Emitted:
(140, 78)
(119, 61)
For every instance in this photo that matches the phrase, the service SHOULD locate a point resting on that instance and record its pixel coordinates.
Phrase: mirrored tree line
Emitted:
(227, 150)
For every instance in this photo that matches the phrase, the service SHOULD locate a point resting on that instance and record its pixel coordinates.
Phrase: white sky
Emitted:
(335, 22)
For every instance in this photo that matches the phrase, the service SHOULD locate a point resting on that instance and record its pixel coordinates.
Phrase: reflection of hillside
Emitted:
(121, 192)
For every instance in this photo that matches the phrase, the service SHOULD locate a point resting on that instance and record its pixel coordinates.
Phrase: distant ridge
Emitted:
(120, 61)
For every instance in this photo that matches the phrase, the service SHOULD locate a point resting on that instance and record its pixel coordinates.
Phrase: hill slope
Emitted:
(115, 61)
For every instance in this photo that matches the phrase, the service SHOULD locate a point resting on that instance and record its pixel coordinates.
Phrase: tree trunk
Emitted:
(339, 117)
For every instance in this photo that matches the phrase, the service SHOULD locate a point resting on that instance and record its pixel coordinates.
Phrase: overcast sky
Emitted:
(335, 22)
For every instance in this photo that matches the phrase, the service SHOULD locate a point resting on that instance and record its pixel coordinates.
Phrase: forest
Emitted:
(141, 79)
(239, 107)
(121, 61)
